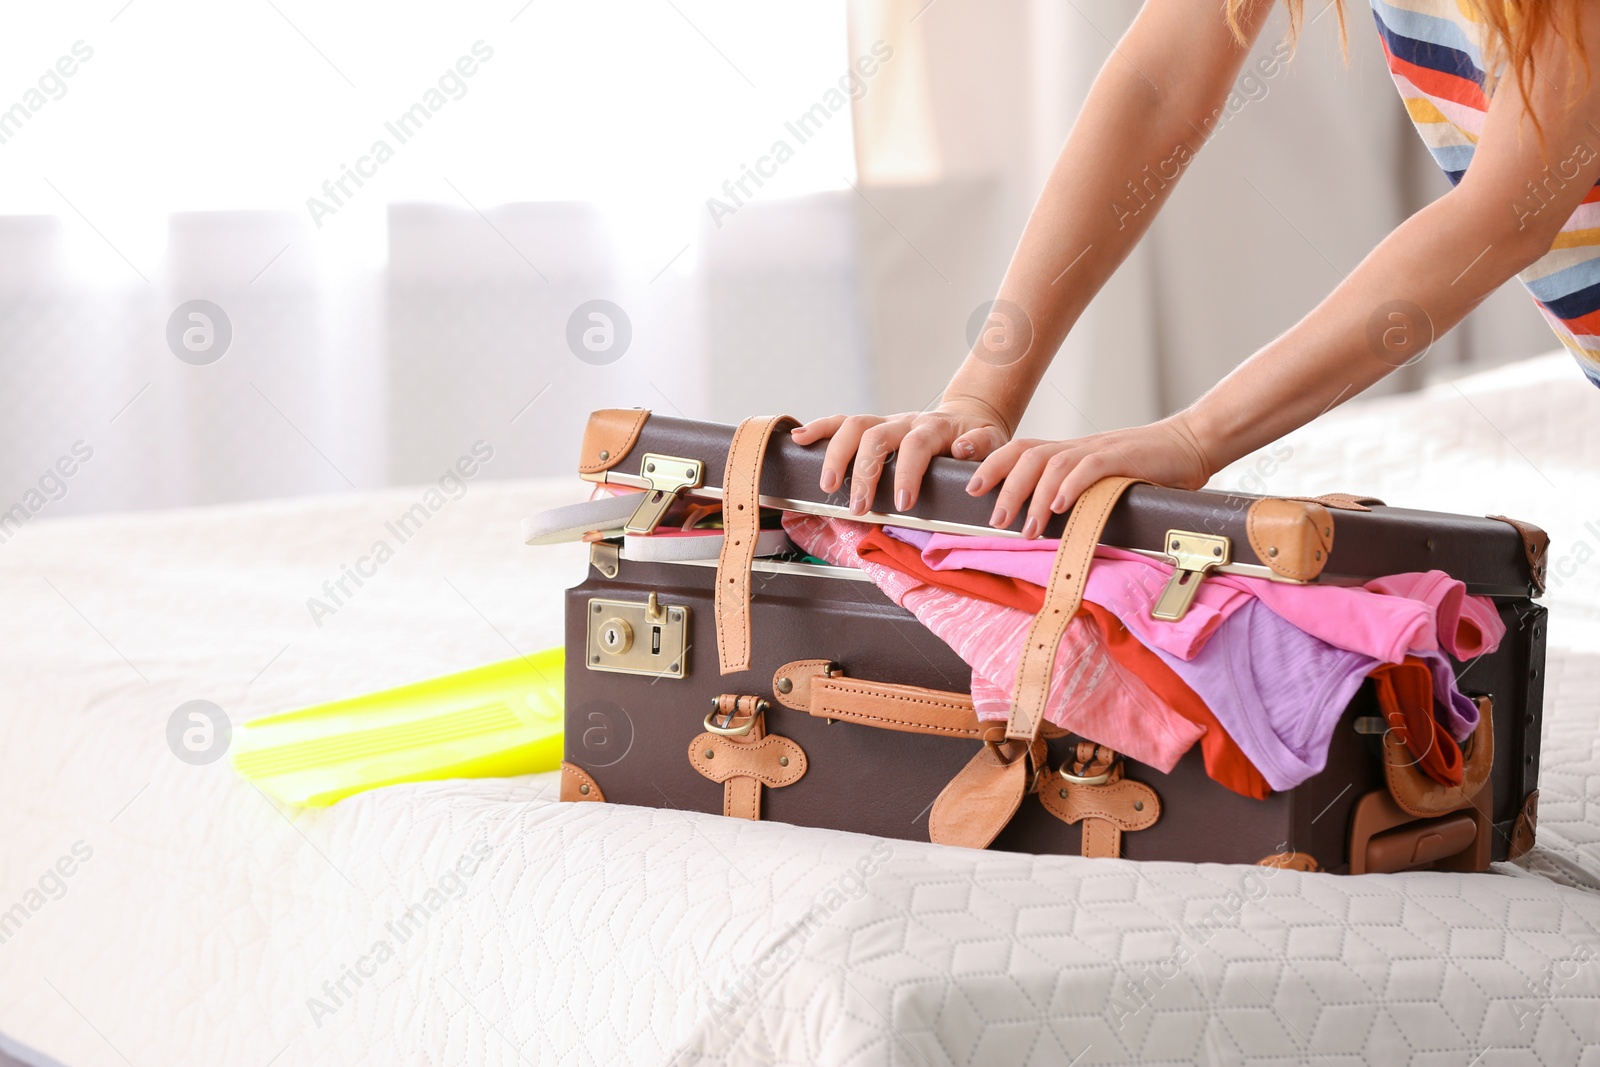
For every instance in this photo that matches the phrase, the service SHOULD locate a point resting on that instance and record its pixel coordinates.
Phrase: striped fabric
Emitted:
(1435, 53)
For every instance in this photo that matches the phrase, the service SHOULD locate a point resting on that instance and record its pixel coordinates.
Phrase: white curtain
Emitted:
(398, 210)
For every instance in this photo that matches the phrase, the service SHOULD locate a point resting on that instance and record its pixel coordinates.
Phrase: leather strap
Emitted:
(907, 708)
(820, 688)
(1107, 810)
(743, 763)
(993, 781)
(741, 794)
(978, 802)
(773, 761)
(1341, 502)
(1062, 599)
(741, 524)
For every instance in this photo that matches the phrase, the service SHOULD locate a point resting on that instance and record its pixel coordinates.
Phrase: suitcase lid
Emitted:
(1492, 555)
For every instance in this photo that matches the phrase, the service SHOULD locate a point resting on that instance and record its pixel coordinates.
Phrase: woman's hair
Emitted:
(1514, 29)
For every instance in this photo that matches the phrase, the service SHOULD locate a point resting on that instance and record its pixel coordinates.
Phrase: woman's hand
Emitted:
(1054, 473)
(961, 428)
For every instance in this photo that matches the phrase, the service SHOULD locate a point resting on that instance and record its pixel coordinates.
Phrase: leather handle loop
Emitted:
(741, 523)
(906, 708)
(1062, 599)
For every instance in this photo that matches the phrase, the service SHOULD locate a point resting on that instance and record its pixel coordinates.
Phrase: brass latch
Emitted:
(668, 476)
(1192, 554)
(633, 637)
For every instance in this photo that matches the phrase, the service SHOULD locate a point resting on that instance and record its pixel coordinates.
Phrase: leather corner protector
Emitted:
(1291, 861)
(791, 683)
(1535, 546)
(1293, 538)
(773, 761)
(1526, 828)
(577, 786)
(609, 436)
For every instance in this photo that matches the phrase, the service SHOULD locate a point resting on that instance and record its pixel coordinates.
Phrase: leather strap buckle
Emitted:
(733, 707)
(1083, 770)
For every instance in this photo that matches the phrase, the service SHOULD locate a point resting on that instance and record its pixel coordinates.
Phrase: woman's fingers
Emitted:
(979, 443)
(1058, 471)
(817, 429)
(845, 439)
(927, 438)
(876, 445)
(1085, 472)
(996, 466)
(1020, 483)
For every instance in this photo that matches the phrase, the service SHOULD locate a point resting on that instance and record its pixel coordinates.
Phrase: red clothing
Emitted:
(1405, 695)
(1225, 762)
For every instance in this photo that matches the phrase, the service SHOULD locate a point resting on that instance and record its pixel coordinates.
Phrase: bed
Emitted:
(481, 922)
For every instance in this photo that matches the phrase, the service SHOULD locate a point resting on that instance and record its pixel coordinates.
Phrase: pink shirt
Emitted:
(1347, 617)
(1468, 626)
(1119, 582)
(1090, 693)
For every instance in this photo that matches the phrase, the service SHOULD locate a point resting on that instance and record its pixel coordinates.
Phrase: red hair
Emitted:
(1515, 28)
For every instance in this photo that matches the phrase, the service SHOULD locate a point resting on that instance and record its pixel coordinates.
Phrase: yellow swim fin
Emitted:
(495, 721)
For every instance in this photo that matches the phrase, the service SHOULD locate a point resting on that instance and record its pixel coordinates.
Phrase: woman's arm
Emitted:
(1442, 262)
(1146, 116)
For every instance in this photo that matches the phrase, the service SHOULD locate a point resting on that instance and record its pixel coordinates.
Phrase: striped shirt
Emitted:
(1435, 52)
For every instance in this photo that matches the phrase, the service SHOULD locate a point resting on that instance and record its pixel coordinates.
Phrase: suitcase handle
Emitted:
(821, 688)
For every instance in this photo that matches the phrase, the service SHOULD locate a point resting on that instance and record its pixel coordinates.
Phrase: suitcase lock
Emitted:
(668, 476)
(634, 637)
(1192, 554)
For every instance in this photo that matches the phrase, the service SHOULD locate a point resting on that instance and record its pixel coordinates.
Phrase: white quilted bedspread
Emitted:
(207, 926)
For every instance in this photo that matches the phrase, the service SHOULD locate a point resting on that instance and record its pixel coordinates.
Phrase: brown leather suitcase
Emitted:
(797, 692)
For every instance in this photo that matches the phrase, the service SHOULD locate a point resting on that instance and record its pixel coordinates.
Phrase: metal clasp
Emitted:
(668, 476)
(1112, 762)
(1192, 554)
(726, 729)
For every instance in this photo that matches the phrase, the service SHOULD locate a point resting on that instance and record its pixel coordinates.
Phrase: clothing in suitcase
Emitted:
(794, 690)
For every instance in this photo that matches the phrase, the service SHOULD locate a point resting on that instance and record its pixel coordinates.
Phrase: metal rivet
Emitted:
(604, 455)
(689, 473)
(1327, 531)
(1217, 551)
(1174, 546)
(650, 467)
(594, 659)
(711, 753)
(1138, 805)
(584, 789)
(1272, 550)
(597, 609)
(785, 686)
(1319, 553)
(673, 667)
(1063, 793)
(783, 761)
